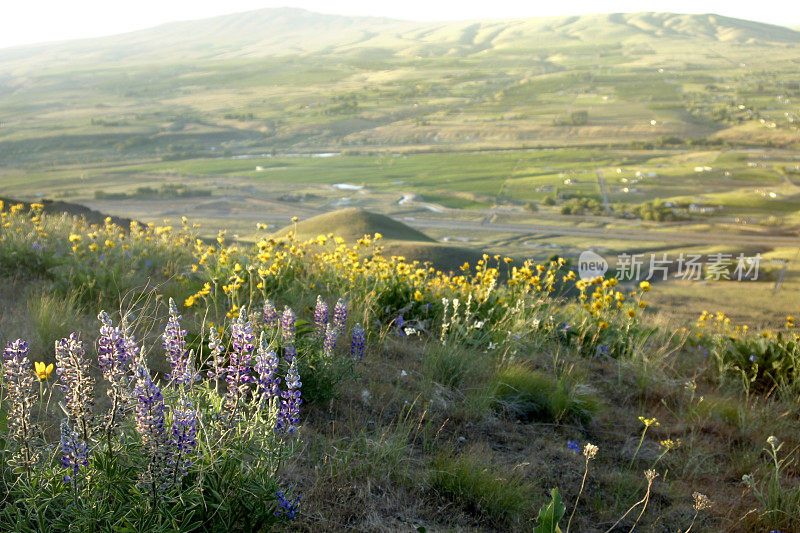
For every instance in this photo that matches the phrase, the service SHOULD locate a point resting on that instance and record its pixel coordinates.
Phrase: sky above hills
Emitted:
(36, 21)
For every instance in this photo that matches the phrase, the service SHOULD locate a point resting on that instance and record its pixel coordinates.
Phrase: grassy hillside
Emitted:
(427, 400)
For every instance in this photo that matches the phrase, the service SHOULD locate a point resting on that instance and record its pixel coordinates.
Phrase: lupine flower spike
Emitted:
(289, 414)
(174, 344)
(237, 375)
(266, 365)
(270, 315)
(18, 380)
(150, 424)
(75, 382)
(358, 343)
(74, 452)
(320, 317)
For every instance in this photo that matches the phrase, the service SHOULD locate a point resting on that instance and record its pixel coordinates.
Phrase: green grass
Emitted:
(531, 395)
(471, 480)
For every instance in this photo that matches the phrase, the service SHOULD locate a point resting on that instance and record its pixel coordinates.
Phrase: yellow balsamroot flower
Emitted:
(631, 313)
(41, 370)
(642, 304)
(93, 247)
(418, 296)
(789, 321)
(645, 286)
(73, 237)
(603, 325)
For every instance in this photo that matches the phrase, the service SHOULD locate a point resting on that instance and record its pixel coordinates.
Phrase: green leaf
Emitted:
(550, 515)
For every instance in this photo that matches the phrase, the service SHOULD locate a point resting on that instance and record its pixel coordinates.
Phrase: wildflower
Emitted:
(329, 344)
(184, 437)
(320, 317)
(74, 452)
(649, 421)
(42, 370)
(590, 451)
(115, 350)
(217, 354)
(669, 444)
(150, 413)
(357, 345)
(418, 296)
(270, 315)
(288, 331)
(237, 375)
(174, 337)
(266, 364)
(701, 501)
(289, 413)
(603, 324)
(287, 508)
(75, 381)
(773, 441)
(18, 385)
(340, 314)
(644, 286)
(573, 445)
(631, 313)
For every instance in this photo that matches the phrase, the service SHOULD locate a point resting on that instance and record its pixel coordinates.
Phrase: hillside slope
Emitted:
(287, 31)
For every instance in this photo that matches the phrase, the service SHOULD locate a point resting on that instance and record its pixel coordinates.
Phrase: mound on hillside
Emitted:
(352, 224)
(398, 239)
(441, 256)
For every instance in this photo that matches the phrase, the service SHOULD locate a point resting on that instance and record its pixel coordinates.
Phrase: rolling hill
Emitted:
(289, 31)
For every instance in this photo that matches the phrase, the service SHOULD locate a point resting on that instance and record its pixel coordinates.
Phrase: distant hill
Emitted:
(352, 224)
(398, 239)
(288, 31)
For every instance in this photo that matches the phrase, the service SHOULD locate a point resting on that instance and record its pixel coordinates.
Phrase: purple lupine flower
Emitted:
(237, 374)
(329, 344)
(320, 317)
(75, 381)
(150, 414)
(289, 353)
(358, 343)
(266, 365)
(217, 354)
(74, 452)
(184, 437)
(116, 350)
(289, 413)
(287, 507)
(340, 314)
(288, 330)
(574, 446)
(180, 360)
(18, 379)
(270, 315)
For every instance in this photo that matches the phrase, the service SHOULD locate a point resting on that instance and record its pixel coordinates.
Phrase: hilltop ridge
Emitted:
(288, 31)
